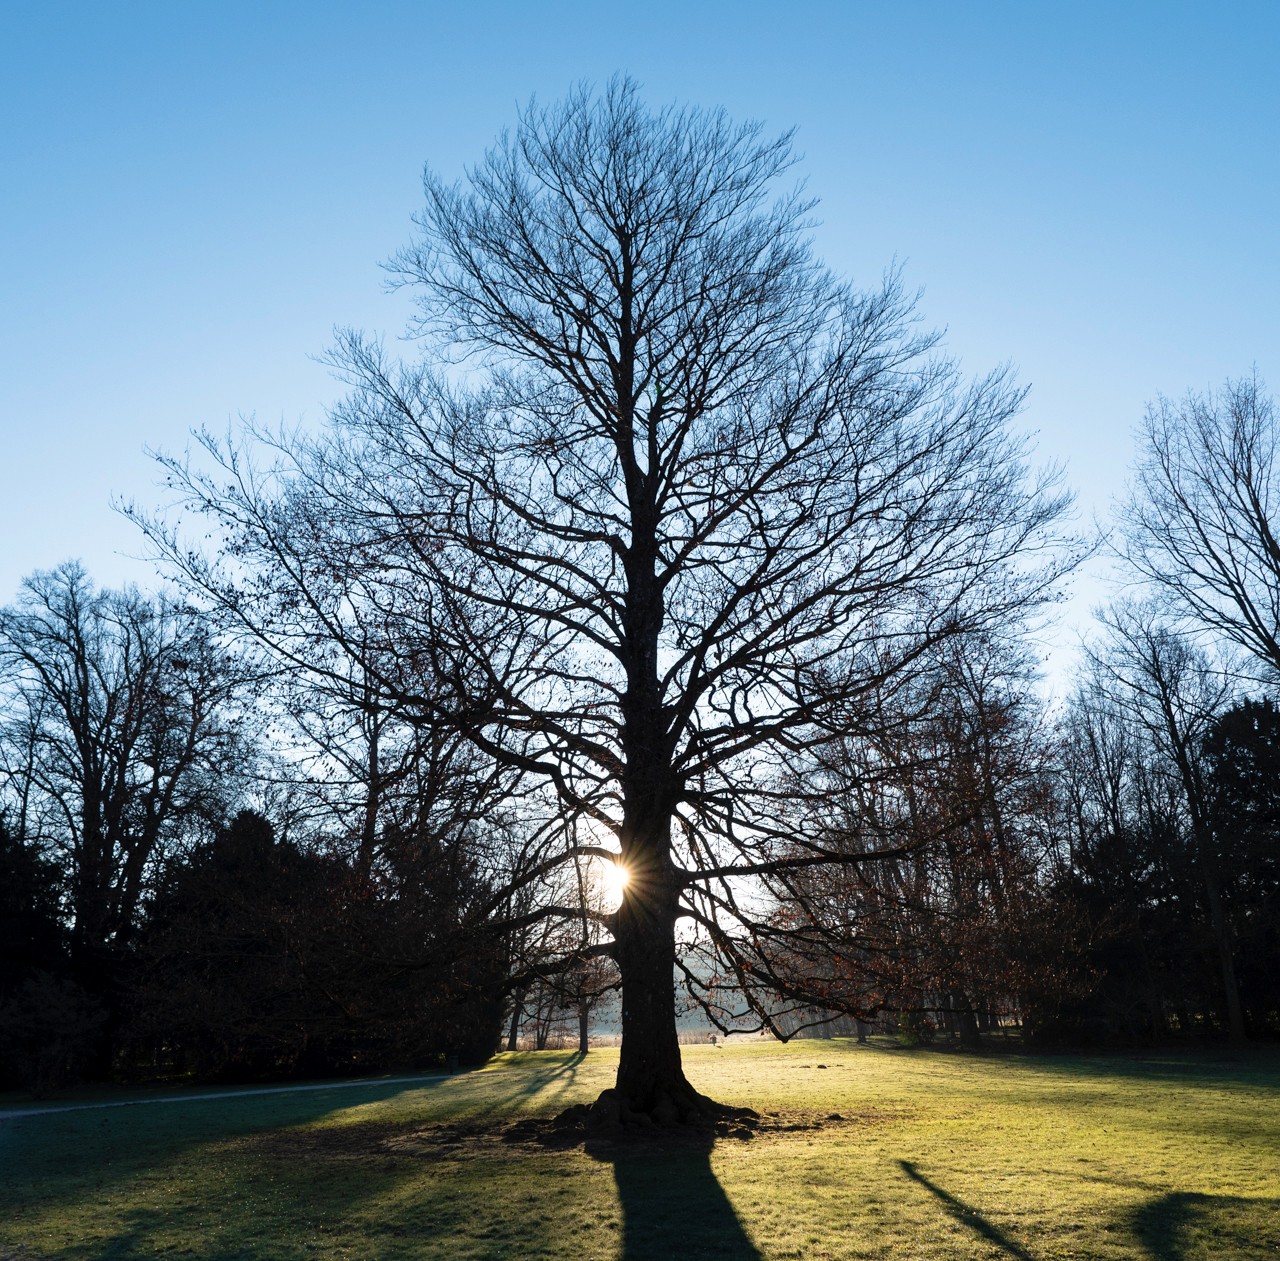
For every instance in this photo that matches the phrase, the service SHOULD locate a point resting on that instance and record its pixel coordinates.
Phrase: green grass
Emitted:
(932, 1155)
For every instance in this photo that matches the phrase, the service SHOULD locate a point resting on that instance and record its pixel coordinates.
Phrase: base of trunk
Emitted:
(613, 1112)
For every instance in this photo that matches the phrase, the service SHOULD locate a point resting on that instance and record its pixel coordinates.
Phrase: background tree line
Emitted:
(215, 866)
(190, 888)
(703, 563)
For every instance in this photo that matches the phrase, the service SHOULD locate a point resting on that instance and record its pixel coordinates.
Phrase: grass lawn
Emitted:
(863, 1152)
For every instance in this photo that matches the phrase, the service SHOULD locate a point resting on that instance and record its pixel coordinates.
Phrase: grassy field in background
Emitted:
(862, 1152)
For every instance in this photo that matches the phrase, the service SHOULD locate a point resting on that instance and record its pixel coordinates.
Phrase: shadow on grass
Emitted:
(1180, 1225)
(1172, 1060)
(672, 1203)
(65, 1156)
(1248, 1068)
(966, 1215)
(273, 1170)
(561, 1077)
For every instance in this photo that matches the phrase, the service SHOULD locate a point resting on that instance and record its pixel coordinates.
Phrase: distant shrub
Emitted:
(915, 1029)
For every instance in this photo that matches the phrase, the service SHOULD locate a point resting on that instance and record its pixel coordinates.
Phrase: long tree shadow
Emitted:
(966, 1215)
(672, 1203)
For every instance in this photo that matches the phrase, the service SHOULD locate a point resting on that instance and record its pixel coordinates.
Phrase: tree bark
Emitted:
(651, 1078)
(517, 1010)
(966, 1019)
(1222, 940)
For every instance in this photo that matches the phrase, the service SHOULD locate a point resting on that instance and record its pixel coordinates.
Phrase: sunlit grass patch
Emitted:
(861, 1152)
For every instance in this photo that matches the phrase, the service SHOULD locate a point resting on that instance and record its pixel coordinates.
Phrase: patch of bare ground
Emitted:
(377, 1141)
(573, 1128)
(462, 1140)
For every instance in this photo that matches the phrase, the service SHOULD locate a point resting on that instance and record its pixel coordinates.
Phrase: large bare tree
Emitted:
(663, 507)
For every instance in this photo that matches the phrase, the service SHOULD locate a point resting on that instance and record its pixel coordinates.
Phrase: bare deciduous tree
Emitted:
(946, 819)
(664, 508)
(1200, 517)
(1172, 691)
(119, 736)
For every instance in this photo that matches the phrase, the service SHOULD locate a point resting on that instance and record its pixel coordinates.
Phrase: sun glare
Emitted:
(615, 880)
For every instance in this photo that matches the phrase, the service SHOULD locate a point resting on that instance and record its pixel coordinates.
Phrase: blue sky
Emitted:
(192, 195)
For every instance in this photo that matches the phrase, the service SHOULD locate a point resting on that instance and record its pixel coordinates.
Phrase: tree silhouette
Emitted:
(1199, 519)
(664, 507)
(118, 737)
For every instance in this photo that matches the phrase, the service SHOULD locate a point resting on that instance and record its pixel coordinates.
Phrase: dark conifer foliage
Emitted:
(261, 960)
(1242, 750)
(33, 936)
(48, 1023)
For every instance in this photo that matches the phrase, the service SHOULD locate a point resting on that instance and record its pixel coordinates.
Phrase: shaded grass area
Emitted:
(860, 1152)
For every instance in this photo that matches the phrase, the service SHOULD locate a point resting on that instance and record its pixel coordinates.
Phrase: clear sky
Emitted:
(193, 194)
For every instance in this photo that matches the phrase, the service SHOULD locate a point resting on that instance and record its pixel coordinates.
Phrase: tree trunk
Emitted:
(373, 790)
(1226, 963)
(517, 1010)
(1222, 940)
(948, 1017)
(650, 1078)
(649, 1068)
(967, 1020)
(1151, 989)
(584, 1027)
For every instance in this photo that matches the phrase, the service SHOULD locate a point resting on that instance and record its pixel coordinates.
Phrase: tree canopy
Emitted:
(662, 508)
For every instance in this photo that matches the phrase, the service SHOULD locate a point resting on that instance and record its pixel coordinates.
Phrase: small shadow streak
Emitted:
(544, 1077)
(966, 1215)
(672, 1203)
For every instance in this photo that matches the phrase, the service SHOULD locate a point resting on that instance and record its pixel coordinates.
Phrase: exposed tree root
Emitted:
(612, 1114)
(574, 1127)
